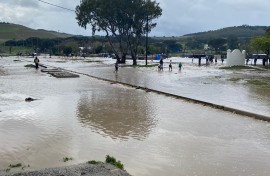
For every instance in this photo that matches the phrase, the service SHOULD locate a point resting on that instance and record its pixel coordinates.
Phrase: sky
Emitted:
(179, 17)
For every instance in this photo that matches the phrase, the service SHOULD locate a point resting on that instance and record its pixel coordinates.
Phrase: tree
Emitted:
(262, 44)
(67, 50)
(217, 44)
(267, 32)
(172, 46)
(232, 42)
(125, 20)
(194, 43)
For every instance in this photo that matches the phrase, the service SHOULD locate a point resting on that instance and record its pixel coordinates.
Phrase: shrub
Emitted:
(112, 160)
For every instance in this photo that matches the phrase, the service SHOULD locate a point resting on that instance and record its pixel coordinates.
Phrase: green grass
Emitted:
(9, 31)
(234, 79)
(66, 159)
(112, 160)
(14, 50)
(15, 165)
(94, 162)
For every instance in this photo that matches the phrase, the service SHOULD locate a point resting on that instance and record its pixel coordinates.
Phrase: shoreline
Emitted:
(86, 169)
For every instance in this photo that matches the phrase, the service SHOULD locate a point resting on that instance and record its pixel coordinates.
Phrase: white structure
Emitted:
(236, 57)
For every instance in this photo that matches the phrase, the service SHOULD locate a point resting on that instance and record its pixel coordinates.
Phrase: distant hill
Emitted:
(244, 33)
(9, 31)
(236, 31)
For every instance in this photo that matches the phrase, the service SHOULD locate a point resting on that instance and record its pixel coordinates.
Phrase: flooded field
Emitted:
(152, 134)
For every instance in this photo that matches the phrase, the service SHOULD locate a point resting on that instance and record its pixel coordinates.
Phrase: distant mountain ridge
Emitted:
(243, 31)
(9, 31)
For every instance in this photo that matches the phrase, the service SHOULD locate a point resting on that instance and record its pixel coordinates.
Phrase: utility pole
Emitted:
(58, 45)
(146, 40)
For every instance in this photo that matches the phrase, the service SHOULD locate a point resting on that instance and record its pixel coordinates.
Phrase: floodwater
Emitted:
(152, 134)
(208, 84)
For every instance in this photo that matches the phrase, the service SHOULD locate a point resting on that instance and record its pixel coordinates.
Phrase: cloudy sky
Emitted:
(179, 16)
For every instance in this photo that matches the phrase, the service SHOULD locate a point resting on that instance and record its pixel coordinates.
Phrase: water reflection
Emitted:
(118, 114)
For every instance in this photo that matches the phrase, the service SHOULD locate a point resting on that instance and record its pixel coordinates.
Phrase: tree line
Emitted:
(89, 45)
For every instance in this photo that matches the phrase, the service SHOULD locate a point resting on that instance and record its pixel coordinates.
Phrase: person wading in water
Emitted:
(36, 61)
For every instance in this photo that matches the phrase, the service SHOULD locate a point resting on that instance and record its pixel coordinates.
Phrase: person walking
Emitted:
(116, 66)
(170, 65)
(180, 66)
(36, 61)
(161, 64)
(255, 60)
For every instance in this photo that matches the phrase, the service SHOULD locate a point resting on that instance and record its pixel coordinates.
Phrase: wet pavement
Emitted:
(152, 134)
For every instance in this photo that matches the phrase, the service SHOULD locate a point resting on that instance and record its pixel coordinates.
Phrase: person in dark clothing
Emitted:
(116, 66)
(161, 64)
(36, 61)
(255, 60)
(170, 65)
(180, 66)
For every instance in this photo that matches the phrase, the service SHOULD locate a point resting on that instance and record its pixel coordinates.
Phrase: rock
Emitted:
(29, 99)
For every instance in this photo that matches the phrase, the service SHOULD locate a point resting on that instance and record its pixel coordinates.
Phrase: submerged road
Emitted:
(151, 134)
(205, 85)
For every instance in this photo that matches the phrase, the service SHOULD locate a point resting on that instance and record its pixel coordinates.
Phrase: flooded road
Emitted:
(208, 84)
(152, 134)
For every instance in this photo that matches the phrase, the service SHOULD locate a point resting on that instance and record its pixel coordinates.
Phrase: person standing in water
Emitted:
(170, 65)
(180, 66)
(36, 61)
(116, 66)
(161, 64)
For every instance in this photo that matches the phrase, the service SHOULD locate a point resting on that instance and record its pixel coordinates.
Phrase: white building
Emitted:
(236, 57)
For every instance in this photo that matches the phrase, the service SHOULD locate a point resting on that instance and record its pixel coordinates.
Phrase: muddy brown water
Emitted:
(151, 134)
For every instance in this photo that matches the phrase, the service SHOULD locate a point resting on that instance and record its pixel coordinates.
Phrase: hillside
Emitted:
(236, 31)
(10, 31)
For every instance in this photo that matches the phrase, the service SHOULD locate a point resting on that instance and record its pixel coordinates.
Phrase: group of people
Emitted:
(160, 66)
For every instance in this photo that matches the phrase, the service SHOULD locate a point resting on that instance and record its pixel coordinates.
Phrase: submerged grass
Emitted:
(66, 159)
(94, 162)
(15, 165)
(141, 66)
(262, 83)
(234, 79)
(265, 67)
(237, 67)
(90, 61)
(29, 66)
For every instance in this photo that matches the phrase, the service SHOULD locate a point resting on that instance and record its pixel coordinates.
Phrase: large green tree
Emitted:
(125, 20)
(262, 44)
